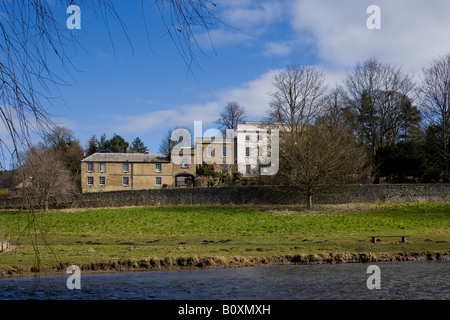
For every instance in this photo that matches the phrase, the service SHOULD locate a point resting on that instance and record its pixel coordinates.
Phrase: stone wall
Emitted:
(249, 195)
(393, 192)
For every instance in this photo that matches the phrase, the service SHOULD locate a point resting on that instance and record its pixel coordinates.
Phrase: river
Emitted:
(398, 280)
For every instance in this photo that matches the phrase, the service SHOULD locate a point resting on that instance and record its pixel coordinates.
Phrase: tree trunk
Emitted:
(376, 169)
(309, 200)
(4, 246)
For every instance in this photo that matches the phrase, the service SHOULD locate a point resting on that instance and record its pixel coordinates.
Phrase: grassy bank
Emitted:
(202, 236)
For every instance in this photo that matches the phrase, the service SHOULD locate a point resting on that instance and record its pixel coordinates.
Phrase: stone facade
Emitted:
(246, 149)
(257, 148)
(183, 167)
(102, 172)
(222, 152)
(240, 151)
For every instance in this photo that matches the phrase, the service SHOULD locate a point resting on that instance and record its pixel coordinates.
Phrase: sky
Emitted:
(136, 84)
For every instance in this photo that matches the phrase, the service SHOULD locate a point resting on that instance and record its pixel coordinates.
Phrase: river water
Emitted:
(398, 280)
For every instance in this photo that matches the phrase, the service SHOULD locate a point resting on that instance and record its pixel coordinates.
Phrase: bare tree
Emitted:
(59, 138)
(376, 94)
(62, 141)
(45, 176)
(297, 98)
(232, 114)
(320, 158)
(434, 93)
(317, 147)
(334, 112)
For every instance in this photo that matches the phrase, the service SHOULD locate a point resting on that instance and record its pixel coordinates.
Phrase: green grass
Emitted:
(77, 237)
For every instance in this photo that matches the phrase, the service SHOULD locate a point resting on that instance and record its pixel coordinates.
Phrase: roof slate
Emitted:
(126, 157)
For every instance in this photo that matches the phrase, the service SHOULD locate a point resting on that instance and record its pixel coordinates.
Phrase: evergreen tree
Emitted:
(137, 146)
(402, 161)
(92, 146)
(205, 170)
(410, 118)
(116, 144)
(435, 159)
(102, 145)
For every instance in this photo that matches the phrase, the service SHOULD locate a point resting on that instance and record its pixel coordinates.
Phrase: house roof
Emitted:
(254, 125)
(126, 157)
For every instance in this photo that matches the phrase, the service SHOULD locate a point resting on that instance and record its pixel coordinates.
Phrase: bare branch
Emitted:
(434, 94)
(232, 114)
(297, 99)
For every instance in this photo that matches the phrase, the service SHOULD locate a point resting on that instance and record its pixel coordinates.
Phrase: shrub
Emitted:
(5, 193)
(237, 176)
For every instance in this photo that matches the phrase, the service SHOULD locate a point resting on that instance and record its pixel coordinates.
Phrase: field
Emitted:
(184, 235)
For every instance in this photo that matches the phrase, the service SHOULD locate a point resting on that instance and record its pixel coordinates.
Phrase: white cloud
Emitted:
(333, 77)
(250, 14)
(221, 37)
(243, 22)
(412, 31)
(64, 122)
(252, 95)
(25, 131)
(279, 48)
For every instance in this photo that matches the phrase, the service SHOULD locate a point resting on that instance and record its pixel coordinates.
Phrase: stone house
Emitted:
(130, 171)
(240, 151)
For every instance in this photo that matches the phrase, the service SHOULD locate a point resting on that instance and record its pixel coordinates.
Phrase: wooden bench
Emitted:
(374, 238)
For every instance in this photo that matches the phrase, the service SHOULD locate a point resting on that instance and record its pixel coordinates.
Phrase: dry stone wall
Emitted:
(248, 195)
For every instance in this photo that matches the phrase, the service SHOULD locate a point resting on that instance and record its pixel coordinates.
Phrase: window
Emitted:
(90, 167)
(90, 181)
(259, 137)
(247, 151)
(158, 181)
(101, 181)
(125, 181)
(158, 167)
(209, 151)
(260, 152)
(101, 167)
(247, 168)
(125, 167)
(184, 163)
(224, 169)
(247, 137)
(224, 151)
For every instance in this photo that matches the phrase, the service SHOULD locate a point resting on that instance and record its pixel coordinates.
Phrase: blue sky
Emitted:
(143, 91)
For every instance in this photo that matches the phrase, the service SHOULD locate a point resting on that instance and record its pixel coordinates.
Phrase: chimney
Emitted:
(146, 151)
(170, 149)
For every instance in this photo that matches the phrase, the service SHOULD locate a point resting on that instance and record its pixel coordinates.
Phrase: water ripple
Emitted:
(399, 280)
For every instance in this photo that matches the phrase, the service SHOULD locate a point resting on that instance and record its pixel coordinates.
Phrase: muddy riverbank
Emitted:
(186, 263)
